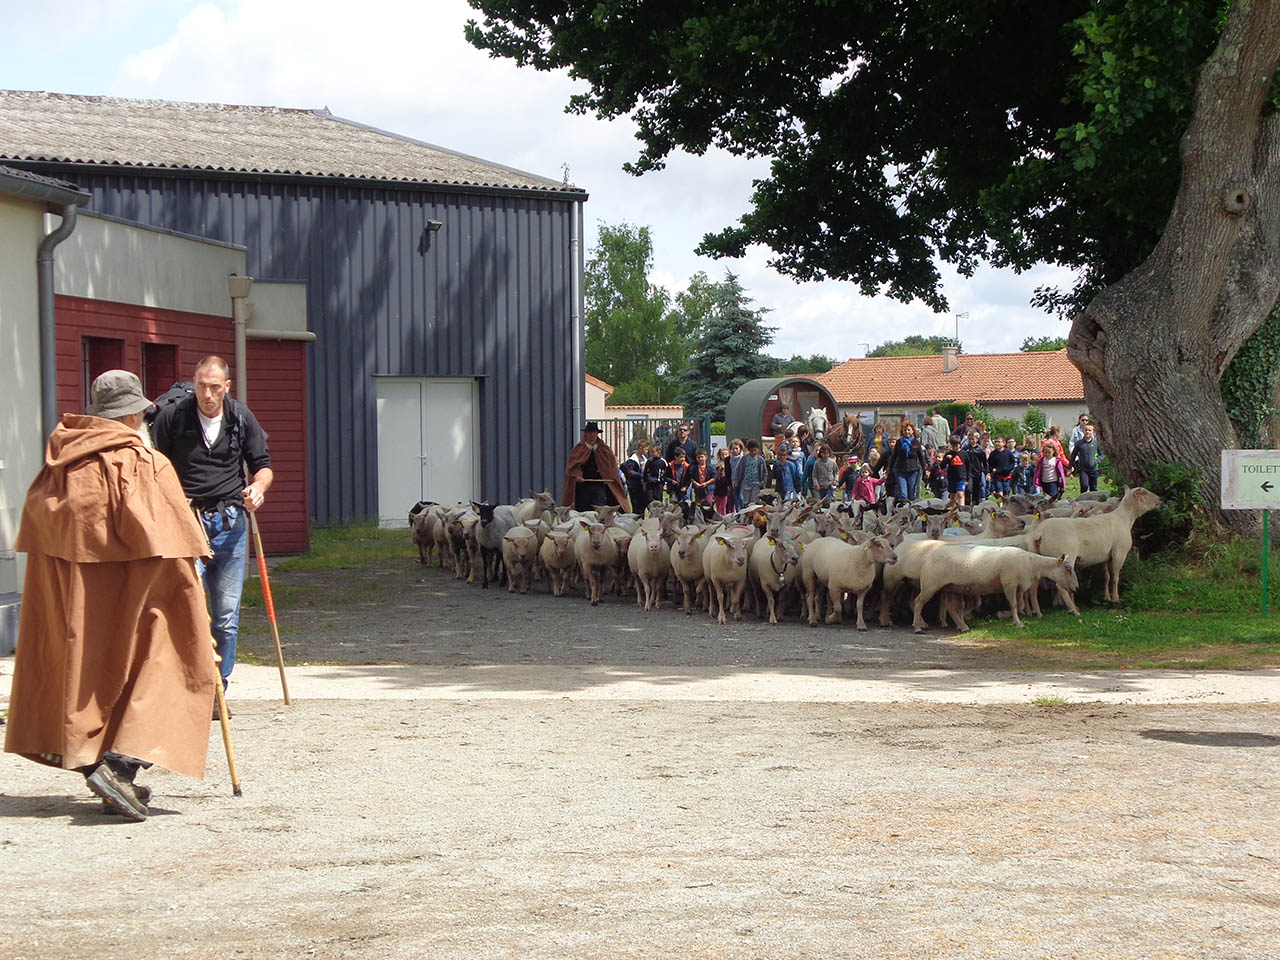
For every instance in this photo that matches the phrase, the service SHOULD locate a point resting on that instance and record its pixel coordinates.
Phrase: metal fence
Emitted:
(623, 435)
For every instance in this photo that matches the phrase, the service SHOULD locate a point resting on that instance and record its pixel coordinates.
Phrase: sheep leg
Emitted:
(773, 605)
(642, 595)
(917, 616)
(654, 586)
(688, 604)
(1011, 594)
(887, 598)
(811, 600)
(835, 605)
(1065, 596)
(862, 595)
(718, 603)
(737, 599)
(593, 587)
(1113, 565)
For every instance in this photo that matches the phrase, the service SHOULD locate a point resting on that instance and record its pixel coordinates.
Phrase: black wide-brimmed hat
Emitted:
(591, 426)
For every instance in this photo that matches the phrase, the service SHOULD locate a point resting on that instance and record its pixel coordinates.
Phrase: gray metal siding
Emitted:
(489, 298)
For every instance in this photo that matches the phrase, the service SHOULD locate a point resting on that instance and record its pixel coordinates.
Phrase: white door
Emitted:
(426, 444)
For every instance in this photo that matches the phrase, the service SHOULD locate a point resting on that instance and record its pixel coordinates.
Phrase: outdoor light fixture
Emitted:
(433, 227)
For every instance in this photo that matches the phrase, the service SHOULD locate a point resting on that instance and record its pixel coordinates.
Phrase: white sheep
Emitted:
(560, 559)
(537, 507)
(1103, 538)
(841, 568)
(686, 563)
(774, 567)
(596, 552)
(649, 557)
(519, 551)
(976, 571)
(724, 565)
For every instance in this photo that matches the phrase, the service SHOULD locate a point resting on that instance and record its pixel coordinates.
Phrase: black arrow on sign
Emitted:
(1267, 486)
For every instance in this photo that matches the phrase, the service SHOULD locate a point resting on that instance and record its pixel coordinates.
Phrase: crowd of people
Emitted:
(963, 464)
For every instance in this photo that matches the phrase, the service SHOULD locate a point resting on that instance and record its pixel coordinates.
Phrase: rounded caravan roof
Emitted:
(750, 409)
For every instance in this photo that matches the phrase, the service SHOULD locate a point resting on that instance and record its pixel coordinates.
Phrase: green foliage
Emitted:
(799, 366)
(1043, 343)
(954, 413)
(1249, 383)
(634, 340)
(729, 351)
(717, 428)
(914, 345)
(1005, 427)
(1179, 487)
(1034, 420)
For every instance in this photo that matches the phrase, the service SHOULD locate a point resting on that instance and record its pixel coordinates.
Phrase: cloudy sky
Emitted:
(403, 65)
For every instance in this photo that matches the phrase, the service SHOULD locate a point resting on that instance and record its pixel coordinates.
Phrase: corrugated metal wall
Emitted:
(486, 296)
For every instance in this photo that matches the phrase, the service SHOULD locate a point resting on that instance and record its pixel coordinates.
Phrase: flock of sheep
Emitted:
(820, 554)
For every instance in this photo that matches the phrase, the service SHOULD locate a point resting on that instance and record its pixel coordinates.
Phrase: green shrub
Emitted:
(1004, 427)
(1178, 486)
(1034, 421)
(717, 428)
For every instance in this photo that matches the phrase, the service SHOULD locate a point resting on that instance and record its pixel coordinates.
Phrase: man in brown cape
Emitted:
(591, 474)
(115, 664)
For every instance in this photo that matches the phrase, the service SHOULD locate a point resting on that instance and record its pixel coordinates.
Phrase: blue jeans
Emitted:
(1000, 486)
(223, 576)
(908, 485)
(1088, 480)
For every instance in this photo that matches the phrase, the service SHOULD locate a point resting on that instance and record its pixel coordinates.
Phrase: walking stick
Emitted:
(271, 607)
(226, 731)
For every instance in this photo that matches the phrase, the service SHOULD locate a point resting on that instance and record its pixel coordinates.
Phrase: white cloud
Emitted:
(404, 65)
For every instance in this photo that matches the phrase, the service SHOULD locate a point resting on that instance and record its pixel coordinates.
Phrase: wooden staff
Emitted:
(271, 607)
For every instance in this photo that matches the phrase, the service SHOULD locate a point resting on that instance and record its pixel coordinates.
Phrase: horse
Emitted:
(818, 422)
(846, 436)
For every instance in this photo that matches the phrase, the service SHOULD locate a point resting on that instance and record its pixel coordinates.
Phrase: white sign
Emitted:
(1251, 479)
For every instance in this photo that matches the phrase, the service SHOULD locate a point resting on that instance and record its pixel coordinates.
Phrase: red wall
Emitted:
(277, 389)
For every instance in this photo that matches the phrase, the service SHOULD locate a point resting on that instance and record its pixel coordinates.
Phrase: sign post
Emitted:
(1251, 481)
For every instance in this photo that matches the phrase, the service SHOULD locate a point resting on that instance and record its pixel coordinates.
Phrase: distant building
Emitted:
(1004, 383)
(444, 291)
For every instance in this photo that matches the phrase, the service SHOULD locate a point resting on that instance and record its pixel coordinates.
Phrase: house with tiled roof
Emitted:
(1005, 383)
(444, 290)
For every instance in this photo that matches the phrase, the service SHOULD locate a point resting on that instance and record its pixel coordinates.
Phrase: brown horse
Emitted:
(846, 436)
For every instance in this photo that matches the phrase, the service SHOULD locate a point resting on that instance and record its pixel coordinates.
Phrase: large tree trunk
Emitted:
(1153, 346)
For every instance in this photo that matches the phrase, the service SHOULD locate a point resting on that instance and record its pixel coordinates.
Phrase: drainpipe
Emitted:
(48, 330)
(239, 288)
(575, 313)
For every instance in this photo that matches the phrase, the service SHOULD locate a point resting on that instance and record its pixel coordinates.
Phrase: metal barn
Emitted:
(444, 291)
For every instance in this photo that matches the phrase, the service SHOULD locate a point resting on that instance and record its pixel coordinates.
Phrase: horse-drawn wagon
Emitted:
(753, 406)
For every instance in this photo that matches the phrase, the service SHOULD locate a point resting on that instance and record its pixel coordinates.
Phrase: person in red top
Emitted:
(865, 489)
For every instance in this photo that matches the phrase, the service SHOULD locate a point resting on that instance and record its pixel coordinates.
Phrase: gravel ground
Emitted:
(704, 792)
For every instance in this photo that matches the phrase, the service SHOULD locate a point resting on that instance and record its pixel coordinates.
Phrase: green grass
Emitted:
(1049, 702)
(340, 547)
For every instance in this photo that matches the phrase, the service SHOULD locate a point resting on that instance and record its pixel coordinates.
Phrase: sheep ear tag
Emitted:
(584, 525)
(1062, 559)
(722, 541)
(1037, 514)
(773, 542)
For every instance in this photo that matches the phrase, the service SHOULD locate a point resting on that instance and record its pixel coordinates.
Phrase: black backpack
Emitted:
(180, 391)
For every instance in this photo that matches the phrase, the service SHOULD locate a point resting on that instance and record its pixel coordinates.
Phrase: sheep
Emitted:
(560, 559)
(973, 570)
(596, 552)
(774, 565)
(494, 523)
(686, 563)
(1103, 538)
(461, 526)
(423, 527)
(519, 551)
(535, 507)
(724, 565)
(841, 568)
(649, 557)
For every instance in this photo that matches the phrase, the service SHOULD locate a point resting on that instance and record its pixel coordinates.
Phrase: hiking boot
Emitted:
(117, 793)
(142, 792)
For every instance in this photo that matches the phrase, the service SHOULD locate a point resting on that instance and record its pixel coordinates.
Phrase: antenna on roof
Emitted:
(866, 348)
(965, 315)
(565, 168)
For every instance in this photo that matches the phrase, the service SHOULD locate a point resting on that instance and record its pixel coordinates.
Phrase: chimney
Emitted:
(949, 355)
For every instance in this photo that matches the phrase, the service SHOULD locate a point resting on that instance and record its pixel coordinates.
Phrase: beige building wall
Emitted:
(106, 259)
(1063, 414)
(21, 437)
(276, 306)
(595, 402)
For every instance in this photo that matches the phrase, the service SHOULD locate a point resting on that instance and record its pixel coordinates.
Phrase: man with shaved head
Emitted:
(215, 442)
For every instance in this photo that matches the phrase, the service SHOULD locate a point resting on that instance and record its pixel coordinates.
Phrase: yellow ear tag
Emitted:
(773, 542)
(1037, 515)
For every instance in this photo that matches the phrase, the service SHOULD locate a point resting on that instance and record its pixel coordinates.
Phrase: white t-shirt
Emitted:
(211, 427)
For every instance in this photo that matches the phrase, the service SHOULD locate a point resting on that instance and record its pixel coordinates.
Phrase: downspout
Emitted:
(48, 328)
(239, 288)
(575, 314)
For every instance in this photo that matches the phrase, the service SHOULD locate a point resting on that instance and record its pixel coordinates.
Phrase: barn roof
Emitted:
(1034, 376)
(166, 134)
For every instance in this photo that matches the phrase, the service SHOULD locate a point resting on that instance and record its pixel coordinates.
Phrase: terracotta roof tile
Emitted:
(35, 125)
(597, 382)
(1031, 377)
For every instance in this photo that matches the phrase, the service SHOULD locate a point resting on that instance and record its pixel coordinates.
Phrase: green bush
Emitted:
(1005, 427)
(1034, 421)
(717, 428)
(1178, 486)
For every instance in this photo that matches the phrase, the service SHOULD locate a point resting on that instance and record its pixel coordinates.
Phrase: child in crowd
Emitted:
(956, 462)
(1023, 480)
(936, 475)
(701, 479)
(1051, 472)
(656, 474)
(865, 489)
(848, 476)
(792, 467)
(678, 474)
(723, 487)
(752, 472)
(735, 472)
(633, 473)
(975, 488)
(1002, 461)
(824, 473)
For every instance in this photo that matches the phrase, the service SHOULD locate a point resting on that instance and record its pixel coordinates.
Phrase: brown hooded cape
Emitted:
(114, 651)
(608, 466)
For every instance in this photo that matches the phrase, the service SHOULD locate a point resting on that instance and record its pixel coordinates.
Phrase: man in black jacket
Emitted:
(213, 440)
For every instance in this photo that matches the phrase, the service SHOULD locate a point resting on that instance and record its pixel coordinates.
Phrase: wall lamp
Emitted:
(433, 227)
